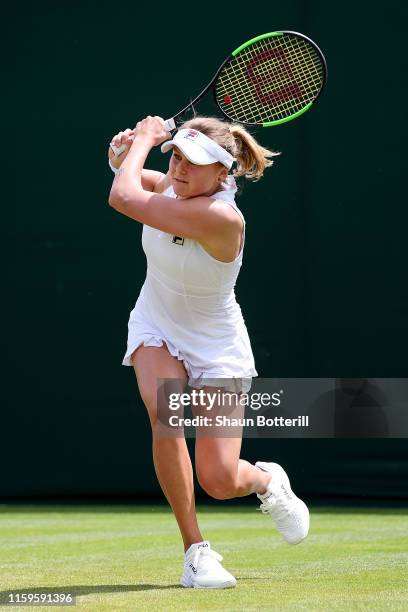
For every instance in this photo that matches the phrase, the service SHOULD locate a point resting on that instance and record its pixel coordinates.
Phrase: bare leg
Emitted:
(220, 470)
(170, 454)
(222, 474)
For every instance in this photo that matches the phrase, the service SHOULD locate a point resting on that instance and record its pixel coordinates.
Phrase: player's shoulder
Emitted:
(229, 211)
(222, 214)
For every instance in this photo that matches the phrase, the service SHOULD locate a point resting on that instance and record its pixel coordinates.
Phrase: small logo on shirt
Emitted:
(178, 240)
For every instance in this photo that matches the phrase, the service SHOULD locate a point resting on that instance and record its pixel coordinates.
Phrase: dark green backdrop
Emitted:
(324, 284)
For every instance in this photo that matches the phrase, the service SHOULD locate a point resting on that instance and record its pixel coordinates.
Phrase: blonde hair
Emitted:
(251, 157)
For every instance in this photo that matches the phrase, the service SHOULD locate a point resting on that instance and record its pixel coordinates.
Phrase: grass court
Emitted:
(130, 558)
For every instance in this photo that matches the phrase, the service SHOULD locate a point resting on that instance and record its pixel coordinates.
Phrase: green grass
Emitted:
(130, 558)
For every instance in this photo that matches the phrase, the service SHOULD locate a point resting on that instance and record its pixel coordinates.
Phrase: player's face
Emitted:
(190, 180)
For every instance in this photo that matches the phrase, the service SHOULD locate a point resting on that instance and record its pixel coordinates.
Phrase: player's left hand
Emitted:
(152, 129)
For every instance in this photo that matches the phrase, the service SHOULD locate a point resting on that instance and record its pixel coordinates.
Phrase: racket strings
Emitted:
(270, 79)
(276, 82)
(276, 76)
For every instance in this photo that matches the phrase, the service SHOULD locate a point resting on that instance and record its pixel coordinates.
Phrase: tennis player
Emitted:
(186, 324)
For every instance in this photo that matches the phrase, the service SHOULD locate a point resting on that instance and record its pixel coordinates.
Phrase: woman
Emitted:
(186, 324)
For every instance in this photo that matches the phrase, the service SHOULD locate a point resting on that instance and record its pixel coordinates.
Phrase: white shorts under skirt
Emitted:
(197, 379)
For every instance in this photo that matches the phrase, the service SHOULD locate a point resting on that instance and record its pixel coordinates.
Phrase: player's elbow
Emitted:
(127, 205)
(116, 199)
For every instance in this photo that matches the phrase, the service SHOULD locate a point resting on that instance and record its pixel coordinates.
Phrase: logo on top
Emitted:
(191, 135)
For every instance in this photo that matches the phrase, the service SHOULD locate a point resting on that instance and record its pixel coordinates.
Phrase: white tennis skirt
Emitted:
(142, 332)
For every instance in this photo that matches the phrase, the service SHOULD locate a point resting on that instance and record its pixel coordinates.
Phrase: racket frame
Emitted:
(173, 122)
(232, 56)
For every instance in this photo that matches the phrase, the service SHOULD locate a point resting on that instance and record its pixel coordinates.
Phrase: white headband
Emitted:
(198, 148)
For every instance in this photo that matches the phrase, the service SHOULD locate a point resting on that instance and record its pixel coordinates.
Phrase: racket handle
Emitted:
(169, 125)
(118, 150)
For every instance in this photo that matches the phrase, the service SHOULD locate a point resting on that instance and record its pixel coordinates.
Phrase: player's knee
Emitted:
(219, 485)
(150, 402)
(156, 401)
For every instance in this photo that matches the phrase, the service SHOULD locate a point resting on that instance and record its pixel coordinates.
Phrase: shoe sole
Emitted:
(222, 585)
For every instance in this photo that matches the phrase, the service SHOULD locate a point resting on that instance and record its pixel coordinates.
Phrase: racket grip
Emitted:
(118, 150)
(170, 124)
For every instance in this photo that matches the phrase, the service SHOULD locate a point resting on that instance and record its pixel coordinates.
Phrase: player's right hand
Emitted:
(122, 138)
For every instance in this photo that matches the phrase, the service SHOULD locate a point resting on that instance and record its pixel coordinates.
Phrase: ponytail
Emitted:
(251, 157)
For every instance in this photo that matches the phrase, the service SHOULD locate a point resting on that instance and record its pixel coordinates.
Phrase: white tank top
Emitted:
(188, 300)
(184, 266)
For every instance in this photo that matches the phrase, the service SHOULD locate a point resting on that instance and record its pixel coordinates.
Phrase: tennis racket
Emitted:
(269, 80)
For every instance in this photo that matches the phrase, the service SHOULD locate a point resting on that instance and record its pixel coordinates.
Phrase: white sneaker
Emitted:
(289, 513)
(203, 570)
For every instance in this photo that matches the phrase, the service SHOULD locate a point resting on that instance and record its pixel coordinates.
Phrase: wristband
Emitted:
(112, 167)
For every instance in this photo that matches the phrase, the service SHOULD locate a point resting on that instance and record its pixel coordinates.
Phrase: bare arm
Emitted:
(200, 218)
(151, 179)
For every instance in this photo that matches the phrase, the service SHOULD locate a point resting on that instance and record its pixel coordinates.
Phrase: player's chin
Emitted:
(180, 187)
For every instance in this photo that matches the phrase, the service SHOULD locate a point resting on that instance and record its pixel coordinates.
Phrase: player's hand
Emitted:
(122, 138)
(152, 129)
